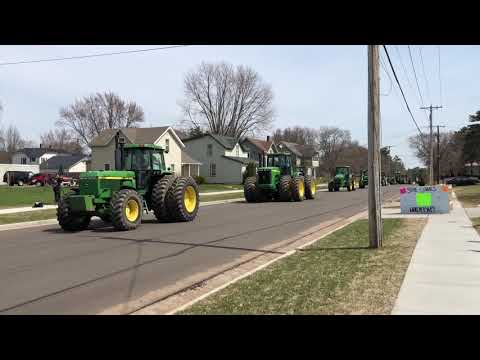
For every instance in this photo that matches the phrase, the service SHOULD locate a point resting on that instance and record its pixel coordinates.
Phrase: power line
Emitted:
(386, 72)
(401, 90)
(91, 55)
(425, 75)
(404, 67)
(440, 76)
(415, 73)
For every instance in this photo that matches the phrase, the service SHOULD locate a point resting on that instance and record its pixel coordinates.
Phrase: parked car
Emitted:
(462, 180)
(40, 179)
(17, 177)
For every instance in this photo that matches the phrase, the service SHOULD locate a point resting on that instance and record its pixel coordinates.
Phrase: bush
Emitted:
(199, 179)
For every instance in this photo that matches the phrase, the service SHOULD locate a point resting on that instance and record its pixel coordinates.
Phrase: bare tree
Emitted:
(226, 100)
(331, 141)
(11, 140)
(61, 139)
(88, 117)
(297, 134)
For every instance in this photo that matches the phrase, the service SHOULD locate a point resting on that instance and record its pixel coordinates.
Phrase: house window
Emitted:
(209, 150)
(24, 161)
(167, 145)
(107, 166)
(32, 159)
(172, 167)
(213, 170)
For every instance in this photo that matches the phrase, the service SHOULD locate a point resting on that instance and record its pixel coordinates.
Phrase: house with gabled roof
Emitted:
(223, 158)
(258, 149)
(304, 156)
(103, 148)
(67, 164)
(35, 156)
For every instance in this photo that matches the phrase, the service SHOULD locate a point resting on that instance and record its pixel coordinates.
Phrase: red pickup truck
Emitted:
(47, 179)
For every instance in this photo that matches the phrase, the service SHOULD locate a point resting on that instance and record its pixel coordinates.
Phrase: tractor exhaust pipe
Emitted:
(118, 152)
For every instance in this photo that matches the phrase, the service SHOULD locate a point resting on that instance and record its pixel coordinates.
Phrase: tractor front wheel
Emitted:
(250, 190)
(127, 209)
(298, 188)
(310, 187)
(183, 199)
(159, 196)
(69, 221)
(284, 188)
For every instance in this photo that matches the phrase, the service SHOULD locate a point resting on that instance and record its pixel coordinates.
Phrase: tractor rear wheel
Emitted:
(159, 196)
(127, 209)
(69, 221)
(310, 187)
(250, 190)
(298, 188)
(285, 186)
(183, 199)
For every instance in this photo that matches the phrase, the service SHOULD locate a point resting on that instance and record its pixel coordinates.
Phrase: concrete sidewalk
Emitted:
(444, 273)
(25, 209)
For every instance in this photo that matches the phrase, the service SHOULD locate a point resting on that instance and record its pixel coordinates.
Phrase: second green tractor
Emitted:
(343, 178)
(279, 180)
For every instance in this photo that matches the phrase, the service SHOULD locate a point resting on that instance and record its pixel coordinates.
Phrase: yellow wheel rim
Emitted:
(313, 187)
(132, 210)
(190, 199)
(301, 189)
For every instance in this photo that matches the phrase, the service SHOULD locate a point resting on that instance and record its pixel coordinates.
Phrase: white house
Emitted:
(103, 148)
(223, 158)
(34, 156)
(69, 164)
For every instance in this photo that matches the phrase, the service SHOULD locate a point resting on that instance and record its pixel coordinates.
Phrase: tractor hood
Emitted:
(107, 174)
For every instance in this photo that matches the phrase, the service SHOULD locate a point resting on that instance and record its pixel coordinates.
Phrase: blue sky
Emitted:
(313, 85)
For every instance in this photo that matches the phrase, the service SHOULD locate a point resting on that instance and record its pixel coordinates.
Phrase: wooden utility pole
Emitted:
(438, 153)
(430, 167)
(375, 225)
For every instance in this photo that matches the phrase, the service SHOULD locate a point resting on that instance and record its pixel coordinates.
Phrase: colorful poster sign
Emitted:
(424, 199)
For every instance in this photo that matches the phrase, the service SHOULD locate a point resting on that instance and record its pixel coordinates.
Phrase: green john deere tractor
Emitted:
(343, 178)
(279, 180)
(363, 179)
(140, 182)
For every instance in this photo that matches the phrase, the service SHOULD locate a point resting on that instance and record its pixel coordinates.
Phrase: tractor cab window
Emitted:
(279, 161)
(343, 171)
(137, 159)
(157, 161)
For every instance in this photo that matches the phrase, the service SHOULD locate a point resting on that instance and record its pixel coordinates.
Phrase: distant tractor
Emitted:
(120, 197)
(343, 179)
(363, 179)
(279, 180)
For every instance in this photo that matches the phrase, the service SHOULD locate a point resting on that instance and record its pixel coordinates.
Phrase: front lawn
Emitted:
(17, 196)
(469, 196)
(28, 216)
(339, 274)
(204, 188)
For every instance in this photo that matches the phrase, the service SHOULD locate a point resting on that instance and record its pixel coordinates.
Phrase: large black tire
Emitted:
(298, 188)
(285, 187)
(330, 186)
(159, 196)
(250, 190)
(310, 187)
(123, 207)
(69, 221)
(183, 199)
(336, 188)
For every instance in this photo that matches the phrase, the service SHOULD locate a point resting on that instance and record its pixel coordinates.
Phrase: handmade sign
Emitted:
(424, 199)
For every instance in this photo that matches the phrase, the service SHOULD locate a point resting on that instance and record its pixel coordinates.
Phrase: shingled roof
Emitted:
(37, 152)
(261, 145)
(61, 160)
(300, 150)
(134, 135)
(228, 142)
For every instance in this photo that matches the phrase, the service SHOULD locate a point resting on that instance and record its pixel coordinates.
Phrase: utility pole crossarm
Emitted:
(430, 167)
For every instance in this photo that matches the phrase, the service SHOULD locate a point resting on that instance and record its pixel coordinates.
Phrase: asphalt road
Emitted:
(44, 270)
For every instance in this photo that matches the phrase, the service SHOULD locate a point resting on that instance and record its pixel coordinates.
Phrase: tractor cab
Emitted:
(281, 161)
(147, 161)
